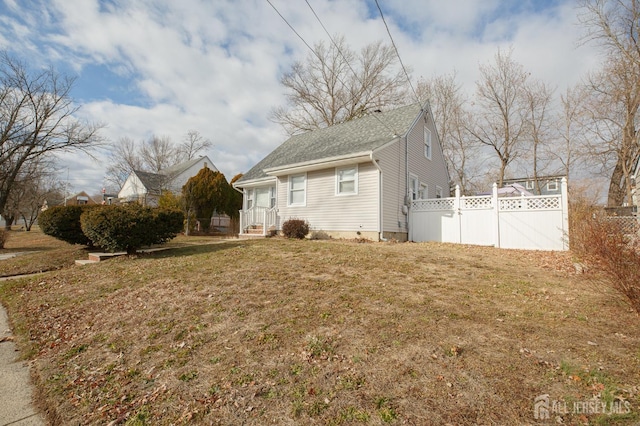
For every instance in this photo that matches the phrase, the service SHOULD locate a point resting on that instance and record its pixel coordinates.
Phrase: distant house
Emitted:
(146, 187)
(353, 179)
(81, 198)
(546, 185)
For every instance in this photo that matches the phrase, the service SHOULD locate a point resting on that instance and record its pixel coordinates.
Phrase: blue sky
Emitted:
(166, 67)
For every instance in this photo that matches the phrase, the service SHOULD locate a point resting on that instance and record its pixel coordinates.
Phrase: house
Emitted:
(146, 188)
(547, 185)
(78, 199)
(350, 180)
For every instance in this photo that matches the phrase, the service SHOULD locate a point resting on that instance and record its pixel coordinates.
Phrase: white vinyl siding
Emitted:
(391, 160)
(325, 211)
(432, 172)
(297, 190)
(347, 180)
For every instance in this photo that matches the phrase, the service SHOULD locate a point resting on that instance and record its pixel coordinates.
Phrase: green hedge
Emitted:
(130, 227)
(63, 223)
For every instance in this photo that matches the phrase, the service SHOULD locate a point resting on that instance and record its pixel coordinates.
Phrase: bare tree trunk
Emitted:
(616, 186)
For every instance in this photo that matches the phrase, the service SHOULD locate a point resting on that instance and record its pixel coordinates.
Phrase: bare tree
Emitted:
(570, 130)
(451, 115)
(123, 158)
(153, 155)
(193, 144)
(538, 99)
(335, 84)
(501, 109)
(615, 26)
(36, 120)
(158, 152)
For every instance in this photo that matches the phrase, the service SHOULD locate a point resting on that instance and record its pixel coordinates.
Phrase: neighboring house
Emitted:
(549, 185)
(146, 187)
(78, 199)
(350, 180)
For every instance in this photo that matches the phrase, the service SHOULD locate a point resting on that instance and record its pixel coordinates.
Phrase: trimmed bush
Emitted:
(63, 223)
(295, 228)
(131, 227)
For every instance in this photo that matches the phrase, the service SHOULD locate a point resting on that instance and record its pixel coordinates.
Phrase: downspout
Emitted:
(407, 198)
(381, 204)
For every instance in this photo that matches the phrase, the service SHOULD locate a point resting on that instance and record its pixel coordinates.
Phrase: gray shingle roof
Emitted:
(181, 167)
(152, 181)
(358, 135)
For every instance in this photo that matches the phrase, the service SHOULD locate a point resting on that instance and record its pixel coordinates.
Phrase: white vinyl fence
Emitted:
(532, 223)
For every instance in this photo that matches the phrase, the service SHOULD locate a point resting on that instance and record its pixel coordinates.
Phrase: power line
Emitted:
(290, 26)
(397, 53)
(320, 59)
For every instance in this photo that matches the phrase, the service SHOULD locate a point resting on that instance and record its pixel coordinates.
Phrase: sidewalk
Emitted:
(16, 407)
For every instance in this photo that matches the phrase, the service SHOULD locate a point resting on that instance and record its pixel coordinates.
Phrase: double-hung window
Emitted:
(249, 198)
(297, 190)
(439, 192)
(272, 196)
(552, 185)
(414, 186)
(347, 180)
(423, 194)
(427, 143)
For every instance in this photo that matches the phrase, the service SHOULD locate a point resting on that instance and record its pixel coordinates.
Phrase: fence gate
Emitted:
(533, 223)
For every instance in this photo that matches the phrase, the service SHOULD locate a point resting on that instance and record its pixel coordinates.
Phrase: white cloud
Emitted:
(215, 66)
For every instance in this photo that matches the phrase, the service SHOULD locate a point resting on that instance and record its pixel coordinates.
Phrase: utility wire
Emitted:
(346, 61)
(398, 54)
(292, 29)
(320, 59)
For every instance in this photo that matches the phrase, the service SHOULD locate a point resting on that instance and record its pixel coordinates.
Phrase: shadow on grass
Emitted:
(192, 250)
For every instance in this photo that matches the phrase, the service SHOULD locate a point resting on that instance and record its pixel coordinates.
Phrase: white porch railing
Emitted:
(266, 217)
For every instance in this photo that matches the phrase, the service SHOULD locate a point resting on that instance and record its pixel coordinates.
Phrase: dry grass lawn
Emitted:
(325, 332)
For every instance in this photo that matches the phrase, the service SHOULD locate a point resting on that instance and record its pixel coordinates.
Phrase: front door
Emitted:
(263, 197)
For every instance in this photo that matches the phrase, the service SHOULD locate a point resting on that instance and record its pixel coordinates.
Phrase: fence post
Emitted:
(564, 193)
(458, 213)
(410, 222)
(496, 215)
(264, 222)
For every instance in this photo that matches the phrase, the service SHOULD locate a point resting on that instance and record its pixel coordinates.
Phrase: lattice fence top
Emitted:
(625, 224)
(434, 204)
(530, 203)
(476, 203)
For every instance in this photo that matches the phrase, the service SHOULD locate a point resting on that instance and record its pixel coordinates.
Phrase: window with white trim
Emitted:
(272, 196)
(414, 186)
(297, 190)
(529, 184)
(347, 180)
(552, 185)
(249, 198)
(427, 143)
(439, 193)
(423, 192)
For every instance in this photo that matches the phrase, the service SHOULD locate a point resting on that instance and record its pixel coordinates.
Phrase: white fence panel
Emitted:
(532, 230)
(476, 220)
(533, 223)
